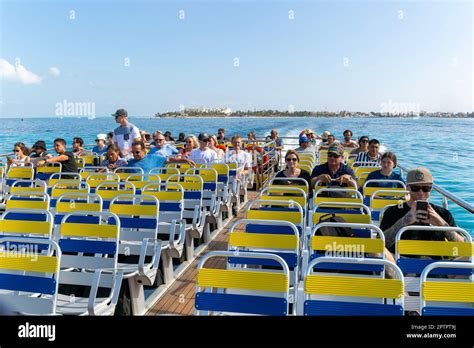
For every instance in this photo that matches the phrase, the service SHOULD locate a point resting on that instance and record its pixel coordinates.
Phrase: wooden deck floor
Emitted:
(179, 298)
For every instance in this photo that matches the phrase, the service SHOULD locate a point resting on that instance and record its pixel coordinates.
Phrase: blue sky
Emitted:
(332, 55)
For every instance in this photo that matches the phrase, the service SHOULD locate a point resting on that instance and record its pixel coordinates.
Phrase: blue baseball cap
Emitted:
(304, 139)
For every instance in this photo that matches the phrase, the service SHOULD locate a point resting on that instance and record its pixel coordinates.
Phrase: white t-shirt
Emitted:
(203, 157)
(243, 159)
(124, 136)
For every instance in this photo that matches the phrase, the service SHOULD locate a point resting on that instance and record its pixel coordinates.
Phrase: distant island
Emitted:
(226, 112)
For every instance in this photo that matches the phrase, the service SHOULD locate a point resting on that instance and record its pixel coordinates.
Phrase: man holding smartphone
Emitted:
(417, 211)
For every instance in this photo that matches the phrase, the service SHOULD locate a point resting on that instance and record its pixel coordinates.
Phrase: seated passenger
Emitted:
(21, 155)
(100, 148)
(161, 148)
(348, 142)
(203, 154)
(305, 145)
(113, 160)
(218, 148)
(292, 171)
(389, 161)
(239, 156)
(68, 164)
(38, 152)
(372, 156)
(77, 148)
(191, 143)
(420, 183)
(334, 172)
(147, 162)
(363, 145)
(331, 140)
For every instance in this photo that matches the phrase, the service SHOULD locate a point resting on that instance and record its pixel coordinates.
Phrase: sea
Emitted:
(444, 145)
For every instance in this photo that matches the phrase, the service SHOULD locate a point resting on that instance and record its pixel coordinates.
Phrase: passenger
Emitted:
(21, 155)
(38, 152)
(334, 171)
(203, 154)
(239, 156)
(372, 157)
(161, 148)
(77, 146)
(125, 134)
(274, 137)
(420, 183)
(100, 148)
(68, 164)
(148, 162)
(252, 135)
(110, 138)
(168, 137)
(388, 161)
(348, 142)
(146, 137)
(217, 148)
(305, 145)
(292, 171)
(330, 140)
(363, 145)
(181, 138)
(221, 139)
(113, 160)
(191, 143)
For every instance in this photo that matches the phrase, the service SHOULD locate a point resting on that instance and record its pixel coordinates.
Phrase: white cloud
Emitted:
(53, 71)
(17, 73)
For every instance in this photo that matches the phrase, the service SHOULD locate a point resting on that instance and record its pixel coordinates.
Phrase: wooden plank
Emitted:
(179, 298)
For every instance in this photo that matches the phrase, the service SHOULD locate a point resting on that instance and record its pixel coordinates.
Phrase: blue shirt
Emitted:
(166, 151)
(377, 175)
(148, 162)
(324, 169)
(99, 152)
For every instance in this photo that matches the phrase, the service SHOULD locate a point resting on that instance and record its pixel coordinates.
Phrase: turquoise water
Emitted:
(443, 145)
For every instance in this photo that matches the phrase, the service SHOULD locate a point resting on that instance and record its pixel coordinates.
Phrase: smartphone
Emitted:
(422, 205)
(422, 210)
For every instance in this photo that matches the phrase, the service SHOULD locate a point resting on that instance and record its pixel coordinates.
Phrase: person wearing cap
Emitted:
(148, 162)
(125, 134)
(372, 157)
(334, 170)
(181, 138)
(221, 139)
(305, 145)
(38, 152)
(100, 140)
(239, 156)
(348, 142)
(363, 145)
(161, 148)
(203, 154)
(419, 184)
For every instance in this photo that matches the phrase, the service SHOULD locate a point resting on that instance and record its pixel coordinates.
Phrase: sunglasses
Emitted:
(137, 152)
(291, 159)
(333, 155)
(422, 188)
(364, 141)
(16, 150)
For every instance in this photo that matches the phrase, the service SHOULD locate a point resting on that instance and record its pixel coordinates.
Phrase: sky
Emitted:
(60, 57)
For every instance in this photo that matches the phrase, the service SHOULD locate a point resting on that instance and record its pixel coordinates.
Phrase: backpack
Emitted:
(335, 231)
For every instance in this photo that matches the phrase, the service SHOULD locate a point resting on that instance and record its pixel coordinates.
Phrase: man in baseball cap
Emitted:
(126, 134)
(38, 152)
(334, 171)
(419, 185)
(204, 154)
(305, 145)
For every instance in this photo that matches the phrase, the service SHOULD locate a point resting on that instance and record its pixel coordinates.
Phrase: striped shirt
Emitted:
(364, 157)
